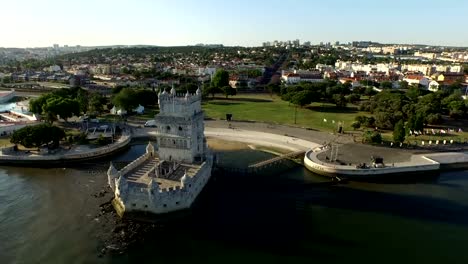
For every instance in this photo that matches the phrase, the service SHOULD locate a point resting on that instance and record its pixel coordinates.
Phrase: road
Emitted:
(291, 138)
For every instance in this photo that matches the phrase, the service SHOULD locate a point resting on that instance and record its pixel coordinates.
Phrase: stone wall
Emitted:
(159, 201)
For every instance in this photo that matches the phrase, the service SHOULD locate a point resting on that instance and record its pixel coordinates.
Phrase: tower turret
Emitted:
(184, 180)
(150, 149)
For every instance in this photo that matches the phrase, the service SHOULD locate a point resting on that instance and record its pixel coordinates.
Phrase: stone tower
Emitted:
(179, 127)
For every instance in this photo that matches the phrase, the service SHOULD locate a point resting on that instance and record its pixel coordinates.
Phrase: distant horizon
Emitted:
(29, 24)
(207, 44)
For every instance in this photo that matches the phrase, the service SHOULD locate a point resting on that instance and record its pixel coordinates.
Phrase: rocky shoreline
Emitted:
(118, 234)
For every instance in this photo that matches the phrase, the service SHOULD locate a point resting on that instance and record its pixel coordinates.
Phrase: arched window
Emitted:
(168, 128)
(180, 128)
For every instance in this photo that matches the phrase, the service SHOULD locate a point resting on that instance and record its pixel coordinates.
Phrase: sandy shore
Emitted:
(225, 145)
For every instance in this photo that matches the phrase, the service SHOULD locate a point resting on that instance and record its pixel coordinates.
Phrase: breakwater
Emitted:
(418, 164)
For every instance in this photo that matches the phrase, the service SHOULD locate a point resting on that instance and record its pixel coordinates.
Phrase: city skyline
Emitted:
(242, 23)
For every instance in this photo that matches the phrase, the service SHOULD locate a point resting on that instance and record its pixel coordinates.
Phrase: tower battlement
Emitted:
(174, 104)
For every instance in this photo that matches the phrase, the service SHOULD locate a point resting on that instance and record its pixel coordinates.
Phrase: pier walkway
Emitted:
(418, 163)
(278, 159)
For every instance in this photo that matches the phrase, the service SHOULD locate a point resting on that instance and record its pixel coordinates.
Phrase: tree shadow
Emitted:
(222, 103)
(245, 99)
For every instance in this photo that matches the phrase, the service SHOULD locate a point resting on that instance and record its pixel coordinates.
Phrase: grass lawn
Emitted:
(5, 142)
(263, 107)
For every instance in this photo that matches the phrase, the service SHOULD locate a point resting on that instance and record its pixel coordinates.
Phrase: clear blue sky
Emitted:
(33, 23)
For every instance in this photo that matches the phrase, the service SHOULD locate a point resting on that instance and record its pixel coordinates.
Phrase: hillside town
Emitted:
(251, 68)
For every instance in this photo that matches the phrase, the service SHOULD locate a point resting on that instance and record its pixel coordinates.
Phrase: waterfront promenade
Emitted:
(398, 161)
(9, 156)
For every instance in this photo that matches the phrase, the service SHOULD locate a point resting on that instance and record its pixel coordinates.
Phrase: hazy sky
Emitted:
(33, 23)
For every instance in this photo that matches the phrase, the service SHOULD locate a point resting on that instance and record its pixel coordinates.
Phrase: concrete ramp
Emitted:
(450, 159)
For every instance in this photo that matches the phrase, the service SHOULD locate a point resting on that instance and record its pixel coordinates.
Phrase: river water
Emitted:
(50, 216)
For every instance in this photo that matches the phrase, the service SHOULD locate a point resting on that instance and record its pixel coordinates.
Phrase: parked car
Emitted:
(150, 123)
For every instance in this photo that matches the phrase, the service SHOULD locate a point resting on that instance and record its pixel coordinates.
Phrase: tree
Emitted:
(273, 88)
(35, 105)
(430, 106)
(403, 85)
(190, 87)
(434, 119)
(387, 107)
(6, 79)
(220, 79)
(339, 100)
(355, 125)
(96, 103)
(301, 98)
(415, 122)
(386, 85)
(82, 97)
(399, 132)
(353, 98)
(63, 107)
(126, 99)
(369, 91)
(228, 90)
(372, 137)
(53, 104)
(210, 89)
(413, 93)
(146, 97)
(38, 135)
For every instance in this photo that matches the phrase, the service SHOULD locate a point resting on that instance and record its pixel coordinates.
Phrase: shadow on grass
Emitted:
(332, 109)
(222, 103)
(244, 99)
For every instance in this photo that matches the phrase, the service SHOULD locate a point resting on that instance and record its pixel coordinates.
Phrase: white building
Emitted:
(170, 178)
(425, 81)
(301, 76)
(206, 70)
(424, 69)
(324, 67)
(433, 86)
(291, 78)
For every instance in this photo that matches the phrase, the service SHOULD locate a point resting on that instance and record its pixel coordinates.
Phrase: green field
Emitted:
(266, 108)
